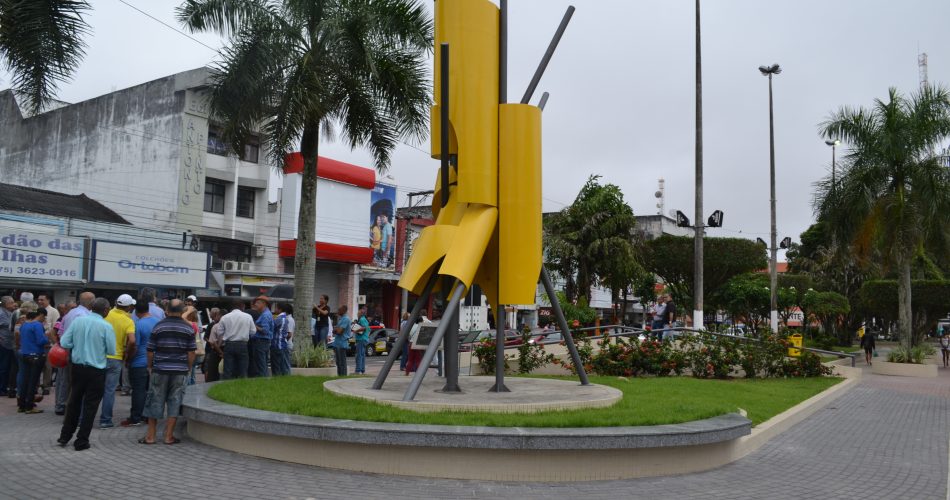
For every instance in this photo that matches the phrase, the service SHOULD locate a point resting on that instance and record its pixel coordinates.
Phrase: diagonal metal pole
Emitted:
(434, 344)
(539, 72)
(444, 122)
(404, 333)
(562, 321)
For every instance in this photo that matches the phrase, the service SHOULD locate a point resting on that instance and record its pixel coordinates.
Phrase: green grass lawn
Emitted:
(646, 401)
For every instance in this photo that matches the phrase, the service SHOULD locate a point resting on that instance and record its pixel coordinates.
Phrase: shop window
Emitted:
(245, 202)
(214, 196)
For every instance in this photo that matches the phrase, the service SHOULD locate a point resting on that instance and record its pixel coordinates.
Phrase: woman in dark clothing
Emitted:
(867, 342)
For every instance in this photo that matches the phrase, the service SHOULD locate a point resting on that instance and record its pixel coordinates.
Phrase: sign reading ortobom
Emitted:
(143, 265)
(45, 257)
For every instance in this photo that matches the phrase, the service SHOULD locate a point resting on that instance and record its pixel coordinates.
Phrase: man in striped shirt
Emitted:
(171, 353)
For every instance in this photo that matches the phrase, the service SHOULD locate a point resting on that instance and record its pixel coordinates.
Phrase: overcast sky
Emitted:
(621, 84)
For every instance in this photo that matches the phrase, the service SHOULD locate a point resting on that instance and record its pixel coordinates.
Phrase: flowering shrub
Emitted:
(705, 356)
(484, 350)
(531, 356)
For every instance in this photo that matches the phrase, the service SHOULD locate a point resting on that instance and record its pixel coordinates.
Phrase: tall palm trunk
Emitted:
(904, 312)
(305, 258)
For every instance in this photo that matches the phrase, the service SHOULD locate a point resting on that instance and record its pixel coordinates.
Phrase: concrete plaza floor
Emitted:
(885, 438)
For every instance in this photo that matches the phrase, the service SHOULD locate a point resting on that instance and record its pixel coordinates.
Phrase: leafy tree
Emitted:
(302, 69)
(893, 195)
(931, 302)
(592, 241)
(746, 296)
(829, 308)
(41, 43)
(671, 258)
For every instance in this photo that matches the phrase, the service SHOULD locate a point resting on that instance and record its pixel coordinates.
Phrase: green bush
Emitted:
(307, 355)
(531, 356)
(484, 351)
(631, 358)
(915, 355)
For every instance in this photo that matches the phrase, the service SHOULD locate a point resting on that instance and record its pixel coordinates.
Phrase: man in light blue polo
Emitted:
(89, 339)
(62, 374)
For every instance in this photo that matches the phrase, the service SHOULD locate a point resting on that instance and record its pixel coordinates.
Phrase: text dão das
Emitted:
(29, 250)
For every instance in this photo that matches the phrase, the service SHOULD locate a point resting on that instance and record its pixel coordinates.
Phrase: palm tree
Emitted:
(592, 241)
(299, 69)
(893, 195)
(41, 43)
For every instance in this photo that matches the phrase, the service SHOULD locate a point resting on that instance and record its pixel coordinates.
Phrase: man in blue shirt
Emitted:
(280, 344)
(137, 360)
(62, 374)
(362, 338)
(341, 340)
(260, 341)
(90, 339)
(32, 359)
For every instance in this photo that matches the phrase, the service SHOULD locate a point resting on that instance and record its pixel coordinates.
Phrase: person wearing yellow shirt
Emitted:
(120, 317)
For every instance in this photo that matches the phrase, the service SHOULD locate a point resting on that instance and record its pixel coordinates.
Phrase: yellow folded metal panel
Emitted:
(427, 251)
(469, 243)
(470, 27)
(519, 203)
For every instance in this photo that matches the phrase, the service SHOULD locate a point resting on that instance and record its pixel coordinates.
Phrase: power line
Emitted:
(163, 23)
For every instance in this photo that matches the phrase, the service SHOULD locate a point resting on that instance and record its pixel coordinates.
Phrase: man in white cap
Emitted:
(120, 318)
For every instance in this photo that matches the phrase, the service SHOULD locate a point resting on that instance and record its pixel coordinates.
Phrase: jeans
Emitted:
(198, 361)
(260, 351)
(138, 379)
(360, 356)
(657, 327)
(165, 390)
(31, 367)
(7, 358)
(339, 355)
(235, 360)
(113, 373)
(279, 361)
(404, 358)
(87, 384)
(125, 383)
(62, 388)
(320, 335)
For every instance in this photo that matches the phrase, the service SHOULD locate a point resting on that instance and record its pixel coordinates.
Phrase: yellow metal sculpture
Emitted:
(489, 233)
(487, 203)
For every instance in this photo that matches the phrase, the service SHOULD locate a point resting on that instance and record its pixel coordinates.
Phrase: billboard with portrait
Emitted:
(382, 226)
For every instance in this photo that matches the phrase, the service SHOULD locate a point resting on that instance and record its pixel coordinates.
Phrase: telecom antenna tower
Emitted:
(660, 197)
(922, 69)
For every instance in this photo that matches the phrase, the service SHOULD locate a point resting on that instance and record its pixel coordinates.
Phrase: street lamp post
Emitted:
(773, 264)
(698, 235)
(833, 145)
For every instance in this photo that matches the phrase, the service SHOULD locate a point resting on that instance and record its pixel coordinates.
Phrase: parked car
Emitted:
(512, 338)
(370, 346)
(546, 337)
(383, 340)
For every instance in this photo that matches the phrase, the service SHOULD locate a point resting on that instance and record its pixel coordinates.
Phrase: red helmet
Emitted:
(58, 356)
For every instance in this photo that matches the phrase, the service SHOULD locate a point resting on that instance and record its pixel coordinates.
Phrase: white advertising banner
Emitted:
(47, 257)
(144, 265)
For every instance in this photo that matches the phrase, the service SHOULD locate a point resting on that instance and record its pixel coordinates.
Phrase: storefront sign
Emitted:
(144, 265)
(382, 223)
(41, 256)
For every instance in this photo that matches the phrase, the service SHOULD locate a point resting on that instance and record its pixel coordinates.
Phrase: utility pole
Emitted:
(698, 238)
(773, 263)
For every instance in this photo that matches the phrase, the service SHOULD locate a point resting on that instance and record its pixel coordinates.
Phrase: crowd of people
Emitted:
(135, 347)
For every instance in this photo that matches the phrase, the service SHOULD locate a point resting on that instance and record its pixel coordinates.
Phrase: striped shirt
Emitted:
(171, 341)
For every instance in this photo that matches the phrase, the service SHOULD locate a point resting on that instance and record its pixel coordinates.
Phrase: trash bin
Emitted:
(795, 340)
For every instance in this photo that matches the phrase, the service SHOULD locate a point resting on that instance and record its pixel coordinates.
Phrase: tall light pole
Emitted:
(698, 238)
(773, 263)
(833, 145)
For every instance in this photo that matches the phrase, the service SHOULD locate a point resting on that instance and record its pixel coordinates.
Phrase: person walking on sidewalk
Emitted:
(867, 343)
(120, 318)
(171, 354)
(89, 339)
(945, 346)
(33, 343)
(138, 363)
(341, 340)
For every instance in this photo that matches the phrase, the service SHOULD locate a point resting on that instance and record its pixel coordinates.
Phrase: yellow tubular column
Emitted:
(519, 203)
(470, 27)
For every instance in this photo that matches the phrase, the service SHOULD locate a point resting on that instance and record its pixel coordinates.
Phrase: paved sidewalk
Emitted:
(885, 438)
